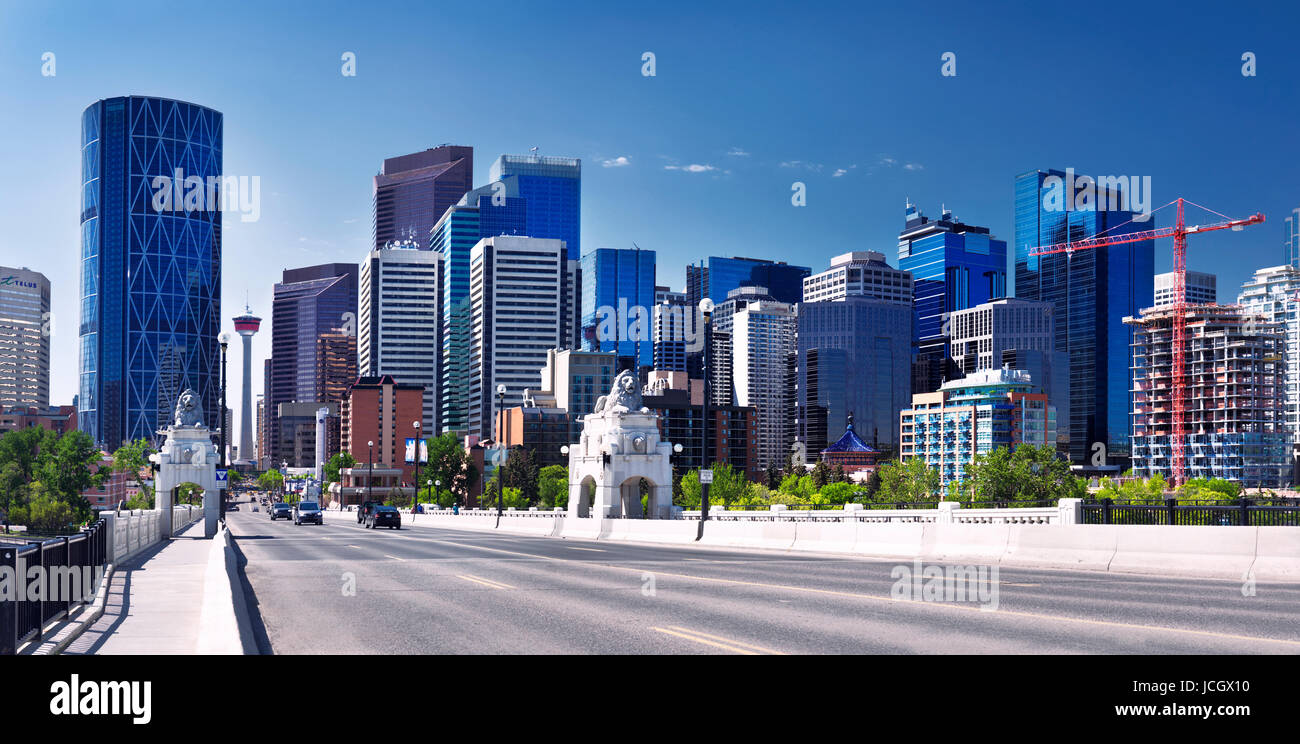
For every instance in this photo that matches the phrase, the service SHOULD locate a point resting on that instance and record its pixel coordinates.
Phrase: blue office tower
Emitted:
(954, 266)
(482, 213)
(716, 276)
(618, 300)
(1093, 291)
(150, 265)
(552, 187)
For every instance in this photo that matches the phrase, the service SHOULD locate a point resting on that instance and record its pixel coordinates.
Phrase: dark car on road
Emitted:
(280, 509)
(384, 516)
(308, 511)
(364, 510)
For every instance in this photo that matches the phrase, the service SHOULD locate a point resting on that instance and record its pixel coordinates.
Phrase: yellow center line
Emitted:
(729, 641)
(734, 649)
(918, 602)
(485, 582)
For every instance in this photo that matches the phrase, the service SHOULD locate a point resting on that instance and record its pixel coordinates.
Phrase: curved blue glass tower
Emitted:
(150, 266)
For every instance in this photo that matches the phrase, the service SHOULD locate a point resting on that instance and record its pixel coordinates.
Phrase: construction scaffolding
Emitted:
(1235, 396)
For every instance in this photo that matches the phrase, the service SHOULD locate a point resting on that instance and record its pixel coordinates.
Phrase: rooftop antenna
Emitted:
(533, 150)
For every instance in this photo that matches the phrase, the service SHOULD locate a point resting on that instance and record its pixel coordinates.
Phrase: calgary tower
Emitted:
(246, 325)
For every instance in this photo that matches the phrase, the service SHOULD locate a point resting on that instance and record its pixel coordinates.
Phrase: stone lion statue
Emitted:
(188, 411)
(626, 392)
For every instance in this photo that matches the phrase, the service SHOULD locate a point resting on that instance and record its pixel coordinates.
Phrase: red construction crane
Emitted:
(1179, 232)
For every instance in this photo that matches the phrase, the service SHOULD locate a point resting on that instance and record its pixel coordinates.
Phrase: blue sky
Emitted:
(756, 95)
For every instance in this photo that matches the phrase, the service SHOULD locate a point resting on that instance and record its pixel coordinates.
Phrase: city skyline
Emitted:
(693, 154)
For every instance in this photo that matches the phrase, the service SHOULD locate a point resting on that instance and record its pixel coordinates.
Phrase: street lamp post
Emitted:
(501, 444)
(370, 479)
(416, 482)
(225, 341)
(706, 312)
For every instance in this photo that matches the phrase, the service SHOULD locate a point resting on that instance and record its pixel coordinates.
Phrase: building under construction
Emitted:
(1235, 412)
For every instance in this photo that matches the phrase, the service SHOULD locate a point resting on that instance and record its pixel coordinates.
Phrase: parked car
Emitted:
(384, 516)
(280, 509)
(364, 510)
(307, 511)
(255, 508)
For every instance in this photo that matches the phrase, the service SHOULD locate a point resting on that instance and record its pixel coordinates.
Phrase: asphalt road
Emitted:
(339, 588)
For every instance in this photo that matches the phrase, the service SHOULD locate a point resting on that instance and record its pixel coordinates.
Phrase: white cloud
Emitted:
(736, 152)
(692, 168)
(617, 162)
(801, 164)
(913, 167)
(838, 172)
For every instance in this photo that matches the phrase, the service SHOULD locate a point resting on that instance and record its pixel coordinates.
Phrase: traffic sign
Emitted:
(706, 476)
(222, 478)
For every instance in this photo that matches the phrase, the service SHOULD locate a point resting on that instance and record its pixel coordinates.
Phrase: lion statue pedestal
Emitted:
(618, 448)
(187, 456)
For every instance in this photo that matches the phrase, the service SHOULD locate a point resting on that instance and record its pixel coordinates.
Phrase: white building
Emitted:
(1201, 288)
(1274, 293)
(523, 304)
(398, 322)
(859, 273)
(762, 341)
(24, 338)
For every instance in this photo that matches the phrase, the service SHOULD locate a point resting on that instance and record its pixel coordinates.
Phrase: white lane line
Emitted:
(592, 550)
(393, 557)
(484, 582)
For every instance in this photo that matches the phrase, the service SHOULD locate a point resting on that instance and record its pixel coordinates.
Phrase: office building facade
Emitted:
(1093, 291)
(411, 192)
(24, 338)
(311, 306)
(398, 321)
(552, 188)
(860, 273)
(150, 265)
(716, 276)
(1199, 288)
(1272, 295)
(618, 301)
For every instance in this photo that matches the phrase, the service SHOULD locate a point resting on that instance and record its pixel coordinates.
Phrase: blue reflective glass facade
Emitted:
(954, 267)
(150, 277)
(619, 280)
(1093, 291)
(482, 213)
(552, 187)
(783, 281)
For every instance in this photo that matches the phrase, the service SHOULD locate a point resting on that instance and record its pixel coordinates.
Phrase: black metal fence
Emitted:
(30, 608)
(1237, 512)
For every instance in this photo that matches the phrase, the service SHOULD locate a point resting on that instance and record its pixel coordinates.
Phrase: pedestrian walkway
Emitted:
(154, 601)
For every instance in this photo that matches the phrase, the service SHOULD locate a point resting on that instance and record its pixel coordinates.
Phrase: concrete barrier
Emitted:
(588, 528)
(1215, 552)
(223, 629)
(678, 531)
(752, 534)
(1277, 554)
(977, 543)
(1089, 547)
(889, 540)
(831, 537)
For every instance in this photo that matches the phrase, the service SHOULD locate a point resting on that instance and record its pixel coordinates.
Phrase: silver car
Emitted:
(308, 511)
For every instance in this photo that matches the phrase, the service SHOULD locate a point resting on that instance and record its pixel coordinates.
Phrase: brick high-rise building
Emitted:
(381, 410)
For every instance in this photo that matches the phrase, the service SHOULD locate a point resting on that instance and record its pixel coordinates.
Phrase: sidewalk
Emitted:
(154, 602)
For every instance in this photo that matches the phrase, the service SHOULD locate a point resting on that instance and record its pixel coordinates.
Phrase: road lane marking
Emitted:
(918, 602)
(484, 582)
(394, 557)
(729, 641)
(358, 547)
(733, 649)
(593, 550)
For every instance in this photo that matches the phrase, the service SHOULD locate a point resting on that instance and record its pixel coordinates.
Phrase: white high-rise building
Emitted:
(24, 338)
(523, 304)
(1200, 288)
(398, 322)
(864, 273)
(1274, 293)
(762, 340)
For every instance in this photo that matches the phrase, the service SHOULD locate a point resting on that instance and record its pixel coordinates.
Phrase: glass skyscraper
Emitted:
(150, 275)
(716, 276)
(412, 191)
(552, 187)
(614, 282)
(954, 266)
(1093, 291)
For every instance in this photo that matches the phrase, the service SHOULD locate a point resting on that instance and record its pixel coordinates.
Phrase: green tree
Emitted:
(521, 471)
(821, 475)
(450, 463)
(553, 486)
(44, 512)
(838, 493)
(728, 486)
(772, 477)
(132, 457)
(270, 481)
(872, 486)
(911, 481)
(336, 463)
(189, 493)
